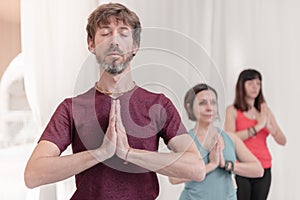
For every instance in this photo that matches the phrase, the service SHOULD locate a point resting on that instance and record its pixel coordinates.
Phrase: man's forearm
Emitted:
(50, 169)
(186, 165)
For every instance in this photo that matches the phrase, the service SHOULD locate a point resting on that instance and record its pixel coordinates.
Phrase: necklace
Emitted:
(251, 115)
(113, 93)
(252, 112)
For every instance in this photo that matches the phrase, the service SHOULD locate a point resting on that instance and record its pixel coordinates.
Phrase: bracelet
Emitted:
(249, 132)
(227, 162)
(126, 156)
(254, 130)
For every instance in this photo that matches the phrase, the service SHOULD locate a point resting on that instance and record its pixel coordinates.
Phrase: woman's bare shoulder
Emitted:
(231, 110)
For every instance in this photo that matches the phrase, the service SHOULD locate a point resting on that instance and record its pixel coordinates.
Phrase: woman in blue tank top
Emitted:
(224, 154)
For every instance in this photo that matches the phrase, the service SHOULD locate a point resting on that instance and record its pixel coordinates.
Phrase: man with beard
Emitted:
(114, 128)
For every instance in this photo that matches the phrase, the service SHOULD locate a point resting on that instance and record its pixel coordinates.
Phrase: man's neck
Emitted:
(116, 84)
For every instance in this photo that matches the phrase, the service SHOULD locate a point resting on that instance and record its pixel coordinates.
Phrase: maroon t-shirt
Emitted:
(82, 122)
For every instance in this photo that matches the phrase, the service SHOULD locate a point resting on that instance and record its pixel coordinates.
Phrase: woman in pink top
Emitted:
(251, 119)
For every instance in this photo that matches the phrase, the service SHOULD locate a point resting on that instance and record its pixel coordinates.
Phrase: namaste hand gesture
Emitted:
(263, 118)
(115, 140)
(216, 155)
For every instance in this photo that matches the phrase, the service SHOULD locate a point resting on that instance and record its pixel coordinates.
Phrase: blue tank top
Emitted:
(217, 184)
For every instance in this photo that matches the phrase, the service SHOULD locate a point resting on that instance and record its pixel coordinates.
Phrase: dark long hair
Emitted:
(240, 102)
(190, 97)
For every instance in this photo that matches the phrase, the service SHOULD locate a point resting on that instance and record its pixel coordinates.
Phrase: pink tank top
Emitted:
(258, 143)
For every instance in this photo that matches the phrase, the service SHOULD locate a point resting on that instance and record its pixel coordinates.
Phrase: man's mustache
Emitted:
(113, 49)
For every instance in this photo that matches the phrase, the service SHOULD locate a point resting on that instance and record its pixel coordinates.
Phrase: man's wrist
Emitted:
(99, 154)
(126, 156)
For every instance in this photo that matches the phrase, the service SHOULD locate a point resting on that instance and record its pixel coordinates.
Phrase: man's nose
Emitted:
(115, 40)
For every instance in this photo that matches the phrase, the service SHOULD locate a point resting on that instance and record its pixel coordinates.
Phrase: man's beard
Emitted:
(114, 68)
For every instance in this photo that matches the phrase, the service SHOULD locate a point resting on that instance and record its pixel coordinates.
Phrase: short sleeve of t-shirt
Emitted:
(172, 123)
(59, 128)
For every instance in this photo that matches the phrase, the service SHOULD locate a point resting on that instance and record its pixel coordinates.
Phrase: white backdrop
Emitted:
(233, 33)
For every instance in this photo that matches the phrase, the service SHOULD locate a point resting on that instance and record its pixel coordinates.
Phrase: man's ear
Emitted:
(135, 49)
(91, 45)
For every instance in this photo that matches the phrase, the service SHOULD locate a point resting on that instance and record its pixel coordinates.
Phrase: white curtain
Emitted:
(55, 54)
(54, 47)
(183, 43)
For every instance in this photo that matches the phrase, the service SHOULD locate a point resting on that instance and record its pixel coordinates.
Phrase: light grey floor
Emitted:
(12, 164)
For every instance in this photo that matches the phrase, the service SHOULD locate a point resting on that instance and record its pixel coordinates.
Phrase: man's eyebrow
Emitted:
(125, 27)
(103, 26)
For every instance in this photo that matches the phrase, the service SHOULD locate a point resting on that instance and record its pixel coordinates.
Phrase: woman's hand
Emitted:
(263, 117)
(216, 155)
